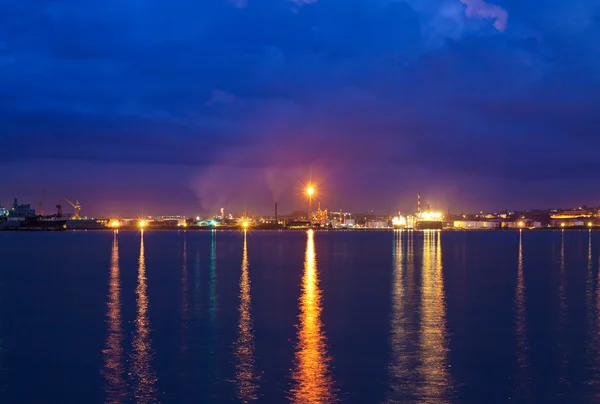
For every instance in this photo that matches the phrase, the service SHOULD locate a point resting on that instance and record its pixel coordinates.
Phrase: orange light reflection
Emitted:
(433, 338)
(311, 375)
(142, 372)
(403, 335)
(114, 368)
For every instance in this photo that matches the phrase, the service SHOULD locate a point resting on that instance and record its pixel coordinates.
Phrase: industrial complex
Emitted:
(24, 217)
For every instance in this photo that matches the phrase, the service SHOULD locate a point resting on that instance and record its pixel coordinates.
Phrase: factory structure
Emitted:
(24, 217)
(423, 219)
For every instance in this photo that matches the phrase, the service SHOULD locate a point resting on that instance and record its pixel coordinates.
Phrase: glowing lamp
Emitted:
(245, 225)
(590, 224)
(115, 223)
(142, 223)
(562, 225)
(310, 190)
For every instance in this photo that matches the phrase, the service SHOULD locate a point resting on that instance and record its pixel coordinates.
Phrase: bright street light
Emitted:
(310, 190)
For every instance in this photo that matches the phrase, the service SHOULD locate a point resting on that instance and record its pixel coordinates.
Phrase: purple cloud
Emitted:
(481, 9)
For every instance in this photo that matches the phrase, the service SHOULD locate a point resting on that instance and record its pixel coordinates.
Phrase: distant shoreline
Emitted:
(252, 229)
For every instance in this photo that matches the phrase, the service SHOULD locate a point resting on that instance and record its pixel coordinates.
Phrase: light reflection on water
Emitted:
(184, 309)
(593, 323)
(595, 378)
(312, 379)
(589, 298)
(563, 321)
(213, 349)
(3, 365)
(197, 292)
(184, 299)
(212, 294)
(402, 368)
(246, 376)
(433, 337)
(419, 313)
(143, 374)
(562, 285)
(113, 352)
(523, 378)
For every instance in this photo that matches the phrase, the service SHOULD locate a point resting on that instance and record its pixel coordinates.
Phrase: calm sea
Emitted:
(356, 317)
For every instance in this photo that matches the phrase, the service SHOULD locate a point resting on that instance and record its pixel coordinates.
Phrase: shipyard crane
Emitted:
(75, 206)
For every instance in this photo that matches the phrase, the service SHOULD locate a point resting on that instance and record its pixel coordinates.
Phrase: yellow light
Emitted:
(431, 216)
(590, 224)
(520, 224)
(399, 221)
(142, 223)
(562, 225)
(184, 224)
(245, 225)
(310, 190)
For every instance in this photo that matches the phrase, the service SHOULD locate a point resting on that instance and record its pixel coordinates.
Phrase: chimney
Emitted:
(418, 202)
(276, 221)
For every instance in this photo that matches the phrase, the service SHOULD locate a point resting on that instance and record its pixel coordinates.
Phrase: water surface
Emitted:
(357, 317)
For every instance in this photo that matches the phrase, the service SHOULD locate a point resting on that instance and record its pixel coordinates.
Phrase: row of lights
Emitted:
(142, 223)
(115, 224)
(590, 224)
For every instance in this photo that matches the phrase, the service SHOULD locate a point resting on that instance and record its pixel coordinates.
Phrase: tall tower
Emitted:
(418, 202)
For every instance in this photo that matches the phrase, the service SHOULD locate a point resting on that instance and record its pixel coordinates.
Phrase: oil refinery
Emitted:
(23, 217)
(421, 220)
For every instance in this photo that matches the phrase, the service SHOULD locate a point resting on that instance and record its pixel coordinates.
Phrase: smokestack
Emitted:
(418, 202)
(276, 221)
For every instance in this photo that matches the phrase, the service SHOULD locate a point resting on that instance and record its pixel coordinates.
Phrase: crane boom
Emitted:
(76, 206)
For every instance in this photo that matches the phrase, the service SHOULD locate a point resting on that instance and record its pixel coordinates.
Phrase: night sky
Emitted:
(187, 106)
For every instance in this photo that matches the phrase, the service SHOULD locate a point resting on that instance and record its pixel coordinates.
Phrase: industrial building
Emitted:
(476, 224)
(21, 211)
(572, 218)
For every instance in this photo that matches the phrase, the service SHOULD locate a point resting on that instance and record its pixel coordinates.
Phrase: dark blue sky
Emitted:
(186, 106)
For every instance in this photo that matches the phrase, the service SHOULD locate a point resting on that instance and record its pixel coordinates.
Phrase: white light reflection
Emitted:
(524, 376)
(246, 376)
